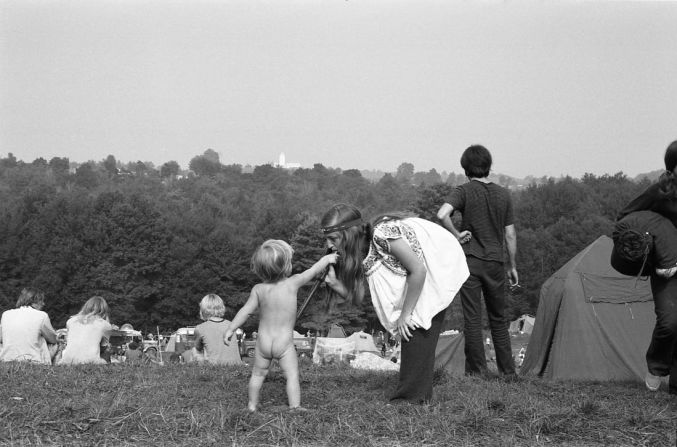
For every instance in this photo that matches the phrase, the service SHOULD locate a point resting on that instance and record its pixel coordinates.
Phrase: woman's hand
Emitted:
(331, 280)
(405, 325)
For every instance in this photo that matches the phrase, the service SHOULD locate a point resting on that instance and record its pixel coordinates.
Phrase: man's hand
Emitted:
(464, 236)
(513, 279)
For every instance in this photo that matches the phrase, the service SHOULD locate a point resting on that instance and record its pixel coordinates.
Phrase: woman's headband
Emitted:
(342, 226)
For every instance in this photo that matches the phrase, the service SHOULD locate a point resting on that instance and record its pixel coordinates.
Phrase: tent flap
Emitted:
(619, 289)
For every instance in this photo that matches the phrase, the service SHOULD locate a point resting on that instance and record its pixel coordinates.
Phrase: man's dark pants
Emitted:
(661, 357)
(487, 277)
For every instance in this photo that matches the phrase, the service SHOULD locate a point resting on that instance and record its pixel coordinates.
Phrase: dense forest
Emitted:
(154, 240)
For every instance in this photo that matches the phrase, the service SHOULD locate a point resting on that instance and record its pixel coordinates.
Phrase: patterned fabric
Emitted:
(380, 247)
(438, 251)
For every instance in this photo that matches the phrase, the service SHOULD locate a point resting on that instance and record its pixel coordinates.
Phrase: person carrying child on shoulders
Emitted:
(275, 299)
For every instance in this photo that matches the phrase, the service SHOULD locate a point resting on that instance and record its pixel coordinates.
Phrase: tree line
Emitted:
(153, 241)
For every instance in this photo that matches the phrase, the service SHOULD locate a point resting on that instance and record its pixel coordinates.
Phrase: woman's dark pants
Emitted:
(418, 363)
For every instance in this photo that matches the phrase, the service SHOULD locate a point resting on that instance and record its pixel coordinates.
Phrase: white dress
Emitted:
(444, 260)
(83, 342)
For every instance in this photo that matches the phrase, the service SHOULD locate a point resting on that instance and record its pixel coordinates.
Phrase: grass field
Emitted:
(203, 405)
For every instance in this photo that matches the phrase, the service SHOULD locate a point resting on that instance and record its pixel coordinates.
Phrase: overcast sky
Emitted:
(550, 87)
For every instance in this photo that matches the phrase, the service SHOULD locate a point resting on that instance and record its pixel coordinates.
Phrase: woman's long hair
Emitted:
(667, 182)
(93, 308)
(353, 247)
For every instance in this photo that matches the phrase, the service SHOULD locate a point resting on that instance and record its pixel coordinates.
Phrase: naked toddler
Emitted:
(275, 298)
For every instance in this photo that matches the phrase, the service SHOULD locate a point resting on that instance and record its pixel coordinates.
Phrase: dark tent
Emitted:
(592, 322)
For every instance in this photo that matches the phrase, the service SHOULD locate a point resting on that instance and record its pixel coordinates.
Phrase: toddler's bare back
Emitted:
(277, 316)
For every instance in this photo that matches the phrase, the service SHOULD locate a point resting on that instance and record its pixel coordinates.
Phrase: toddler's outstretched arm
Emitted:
(316, 269)
(249, 308)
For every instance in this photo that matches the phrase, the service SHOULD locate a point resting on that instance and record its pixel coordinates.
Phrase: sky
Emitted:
(550, 87)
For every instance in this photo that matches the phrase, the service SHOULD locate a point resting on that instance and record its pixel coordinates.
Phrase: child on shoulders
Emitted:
(275, 298)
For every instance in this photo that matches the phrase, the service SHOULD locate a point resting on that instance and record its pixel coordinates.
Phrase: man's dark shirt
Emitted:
(651, 200)
(487, 210)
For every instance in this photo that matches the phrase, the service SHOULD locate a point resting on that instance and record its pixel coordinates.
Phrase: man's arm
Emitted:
(444, 215)
(511, 245)
(48, 332)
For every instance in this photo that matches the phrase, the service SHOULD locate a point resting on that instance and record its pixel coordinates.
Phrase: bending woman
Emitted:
(414, 269)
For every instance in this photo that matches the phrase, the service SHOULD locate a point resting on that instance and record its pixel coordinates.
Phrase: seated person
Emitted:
(209, 335)
(26, 330)
(87, 332)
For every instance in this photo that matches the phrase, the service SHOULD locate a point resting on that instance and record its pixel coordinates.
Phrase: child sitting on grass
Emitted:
(275, 298)
(210, 333)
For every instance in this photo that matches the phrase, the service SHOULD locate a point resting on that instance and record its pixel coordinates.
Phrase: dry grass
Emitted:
(202, 405)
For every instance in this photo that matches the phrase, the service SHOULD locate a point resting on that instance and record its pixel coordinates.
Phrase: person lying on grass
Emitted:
(275, 299)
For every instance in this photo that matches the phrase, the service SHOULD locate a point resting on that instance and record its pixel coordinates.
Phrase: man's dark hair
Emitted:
(476, 161)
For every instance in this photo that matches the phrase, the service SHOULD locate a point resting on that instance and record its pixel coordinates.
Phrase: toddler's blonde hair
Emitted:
(272, 260)
(212, 306)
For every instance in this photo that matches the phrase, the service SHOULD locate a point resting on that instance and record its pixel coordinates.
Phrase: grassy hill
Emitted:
(202, 405)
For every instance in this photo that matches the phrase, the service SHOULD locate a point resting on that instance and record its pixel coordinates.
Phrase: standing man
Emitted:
(488, 227)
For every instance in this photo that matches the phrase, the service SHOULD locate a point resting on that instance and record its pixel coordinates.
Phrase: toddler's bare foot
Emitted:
(251, 408)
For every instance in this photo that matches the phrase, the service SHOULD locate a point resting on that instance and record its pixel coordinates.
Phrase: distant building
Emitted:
(282, 163)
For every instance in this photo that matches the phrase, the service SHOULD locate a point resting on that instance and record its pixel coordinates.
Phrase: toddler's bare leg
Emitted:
(289, 363)
(259, 373)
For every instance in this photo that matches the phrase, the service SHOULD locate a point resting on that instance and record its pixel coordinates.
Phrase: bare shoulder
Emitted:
(259, 290)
